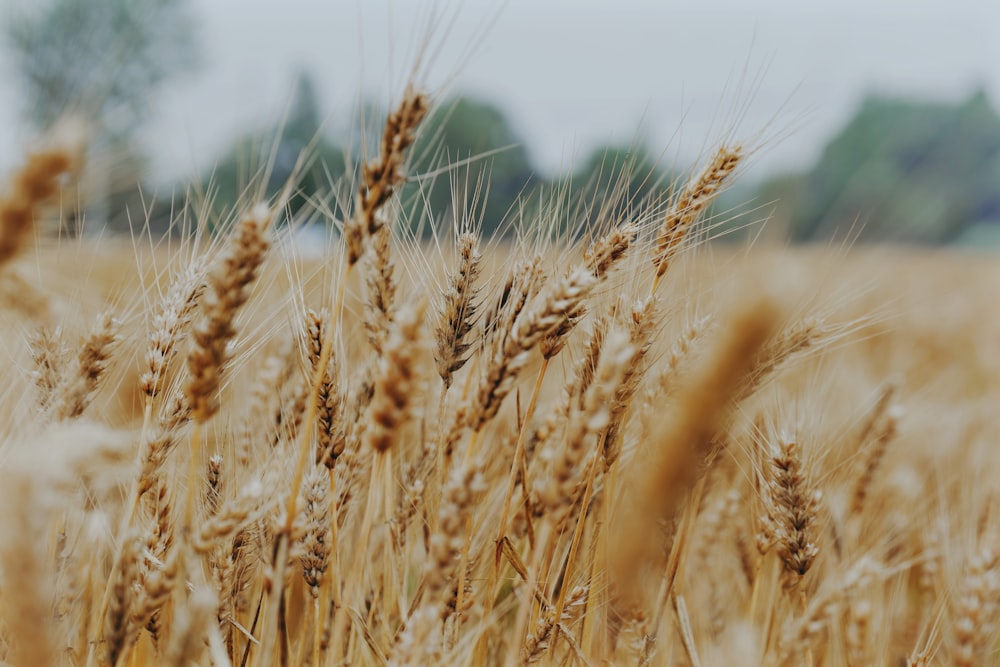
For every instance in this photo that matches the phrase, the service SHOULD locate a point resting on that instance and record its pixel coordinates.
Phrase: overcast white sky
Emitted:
(572, 73)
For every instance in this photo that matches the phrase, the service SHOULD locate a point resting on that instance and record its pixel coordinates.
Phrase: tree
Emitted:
(909, 171)
(102, 60)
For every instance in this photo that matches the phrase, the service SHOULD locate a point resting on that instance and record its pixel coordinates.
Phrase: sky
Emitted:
(779, 75)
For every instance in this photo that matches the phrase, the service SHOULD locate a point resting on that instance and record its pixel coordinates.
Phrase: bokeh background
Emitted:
(873, 121)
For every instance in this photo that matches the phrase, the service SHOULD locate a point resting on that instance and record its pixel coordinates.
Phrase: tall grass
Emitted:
(619, 450)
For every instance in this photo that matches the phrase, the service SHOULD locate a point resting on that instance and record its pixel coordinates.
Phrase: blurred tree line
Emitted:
(898, 171)
(468, 161)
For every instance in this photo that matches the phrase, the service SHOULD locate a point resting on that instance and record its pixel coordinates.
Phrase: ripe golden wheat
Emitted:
(622, 450)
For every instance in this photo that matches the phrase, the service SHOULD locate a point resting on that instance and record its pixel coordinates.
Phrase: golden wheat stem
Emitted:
(508, 497)
(302, 645)
(333, 582)
(441, 461)
(370, 515)
(317, 628)
(767, 578)
(654, 284)
(192, 476)
(574, 546)
(147, 419)
(687, 635)
(528, 611)
(473, 448)
(305, 433)
(463, 570)
(804, 607)
(589, 636)
(129, 516)
(123, 528)
(518, 455)
(546, 549)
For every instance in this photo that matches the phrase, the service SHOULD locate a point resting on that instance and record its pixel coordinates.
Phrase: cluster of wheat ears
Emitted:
(421, 454)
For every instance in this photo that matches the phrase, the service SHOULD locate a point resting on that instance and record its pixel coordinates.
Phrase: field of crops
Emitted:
(629, 447)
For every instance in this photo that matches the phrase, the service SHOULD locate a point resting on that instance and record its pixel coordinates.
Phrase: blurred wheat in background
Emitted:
(586, 434)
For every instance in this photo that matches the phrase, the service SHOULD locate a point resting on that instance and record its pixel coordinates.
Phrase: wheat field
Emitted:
(619, 446)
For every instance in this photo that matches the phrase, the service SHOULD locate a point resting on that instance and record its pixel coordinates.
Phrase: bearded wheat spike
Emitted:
(381, 290)
(397, 382)
(554, 489)
(793, 508)
(458, 311)
(228, 289)
(316, 541)
(599, 258)
(976, 609)
(331, 437)
(174, 315)
(695, 196)
(602, 255)
(77, 390)
(381, 176)
(510, 350)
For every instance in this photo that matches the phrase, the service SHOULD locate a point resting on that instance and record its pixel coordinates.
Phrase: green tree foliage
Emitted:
(101, 58)
(914, 172)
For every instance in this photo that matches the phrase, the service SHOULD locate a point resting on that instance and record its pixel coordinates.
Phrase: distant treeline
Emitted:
(468, 162)
(899, 171)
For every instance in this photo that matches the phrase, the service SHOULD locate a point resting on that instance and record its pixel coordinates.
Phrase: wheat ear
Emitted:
(685, 211)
